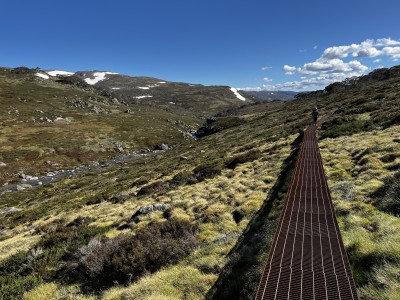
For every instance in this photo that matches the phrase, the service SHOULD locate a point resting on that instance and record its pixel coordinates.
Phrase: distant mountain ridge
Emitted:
(197, 99)
(270, 95)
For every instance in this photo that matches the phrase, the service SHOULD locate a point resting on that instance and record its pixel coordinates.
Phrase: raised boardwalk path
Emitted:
(307, 259)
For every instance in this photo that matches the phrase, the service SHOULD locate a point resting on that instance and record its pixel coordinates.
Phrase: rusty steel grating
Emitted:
(307, 259)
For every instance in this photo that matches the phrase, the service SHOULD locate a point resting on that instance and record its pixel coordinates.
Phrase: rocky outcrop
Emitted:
(146, 210)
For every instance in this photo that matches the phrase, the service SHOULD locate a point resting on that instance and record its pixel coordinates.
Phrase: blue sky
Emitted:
(287, 44)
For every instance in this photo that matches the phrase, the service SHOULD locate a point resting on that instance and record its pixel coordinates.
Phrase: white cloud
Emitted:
(337, 63)
(267, 79)
(289, 70)
(336, 52)
(266, 68)
(386, 42)
(365, 49)
(310, 83)
(332, 66)
(393, 52)
(366, 52)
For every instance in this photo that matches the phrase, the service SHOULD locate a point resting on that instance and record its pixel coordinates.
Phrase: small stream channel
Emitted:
(30, 181)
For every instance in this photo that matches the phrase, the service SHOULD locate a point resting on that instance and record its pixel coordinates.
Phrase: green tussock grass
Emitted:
(364, 189)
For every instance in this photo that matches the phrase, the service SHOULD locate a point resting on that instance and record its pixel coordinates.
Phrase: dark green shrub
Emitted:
(127, 257)
(390, 202)
(391, 157)
(237, 216)
(13, 287)
(345, 125)
(243, 158)
(154, 187)
(183, 178)
(206, 171)
(215, 125)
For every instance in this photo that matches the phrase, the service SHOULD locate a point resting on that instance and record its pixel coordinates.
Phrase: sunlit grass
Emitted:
(371, 236)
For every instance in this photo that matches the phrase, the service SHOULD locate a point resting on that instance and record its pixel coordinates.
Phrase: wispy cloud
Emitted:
(267, 79)
(266, 68)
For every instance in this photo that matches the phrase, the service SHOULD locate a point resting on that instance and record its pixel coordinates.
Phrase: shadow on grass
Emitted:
(239, 279)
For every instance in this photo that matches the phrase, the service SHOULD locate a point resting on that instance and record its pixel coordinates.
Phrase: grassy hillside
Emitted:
(47, 125)
(196, 221)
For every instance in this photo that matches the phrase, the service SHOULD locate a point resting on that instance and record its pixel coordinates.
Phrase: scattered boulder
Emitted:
(225, 238)
(2, 164)
(22, 187)
(146, 210)
(162, 147)
(22, 175)
(78, 103)
(97, 109)
(19, 188)
(26, 186)
(4, 233)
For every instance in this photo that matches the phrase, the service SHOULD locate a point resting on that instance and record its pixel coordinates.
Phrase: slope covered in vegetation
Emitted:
(196, 221)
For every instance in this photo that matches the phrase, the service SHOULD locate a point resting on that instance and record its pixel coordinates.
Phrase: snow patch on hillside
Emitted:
(240, 97)
(141, 97)
(44, 76)
(57, 72)
(98, 76)
(143, 87)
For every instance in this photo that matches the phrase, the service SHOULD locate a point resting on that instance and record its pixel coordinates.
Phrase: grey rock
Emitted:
(9, 210)
(162, 147)
(146, 210)
(20, 188)
(2, 164)
(225, 238)
(26, 186)
(4, 233)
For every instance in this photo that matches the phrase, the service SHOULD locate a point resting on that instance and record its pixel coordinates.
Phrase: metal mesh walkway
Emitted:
(307, 259)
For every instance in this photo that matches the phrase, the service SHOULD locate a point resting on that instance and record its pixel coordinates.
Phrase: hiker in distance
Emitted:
(315, 114)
